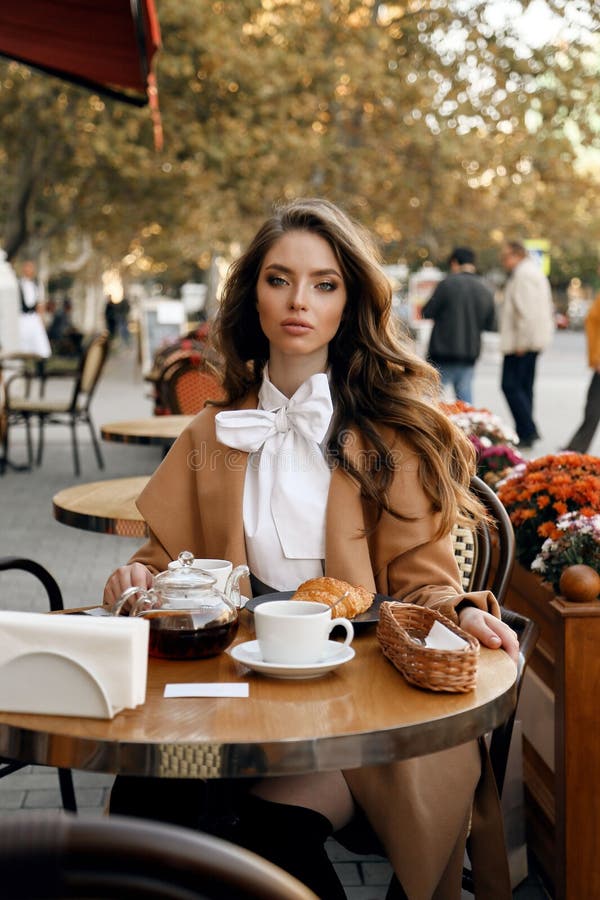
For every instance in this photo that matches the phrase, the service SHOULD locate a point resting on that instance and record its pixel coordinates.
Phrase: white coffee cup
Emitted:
(295, 632)
(219, 569)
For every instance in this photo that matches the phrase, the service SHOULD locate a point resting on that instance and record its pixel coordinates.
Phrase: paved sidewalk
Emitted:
(81, 561)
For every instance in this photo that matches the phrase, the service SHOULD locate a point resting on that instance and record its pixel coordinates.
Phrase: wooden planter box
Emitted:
(560, 712)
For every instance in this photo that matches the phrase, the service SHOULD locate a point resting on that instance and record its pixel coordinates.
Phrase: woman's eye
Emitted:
(276, 280)
(326, 286)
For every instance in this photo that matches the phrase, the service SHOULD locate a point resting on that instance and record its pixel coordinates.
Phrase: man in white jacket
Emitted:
(526, 329)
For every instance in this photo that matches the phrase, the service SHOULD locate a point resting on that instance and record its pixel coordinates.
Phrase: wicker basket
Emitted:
(436, 670)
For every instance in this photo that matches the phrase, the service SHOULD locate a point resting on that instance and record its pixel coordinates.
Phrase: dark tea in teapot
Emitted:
(175, 634)
(189, 617)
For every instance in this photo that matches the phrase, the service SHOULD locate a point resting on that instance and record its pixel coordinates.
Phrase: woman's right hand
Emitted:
(135, 575)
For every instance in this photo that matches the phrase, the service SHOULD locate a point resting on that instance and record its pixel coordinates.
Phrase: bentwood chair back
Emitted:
(187, 384)
(55, 602)
(60, 856)
(70, 412)
(486, 558)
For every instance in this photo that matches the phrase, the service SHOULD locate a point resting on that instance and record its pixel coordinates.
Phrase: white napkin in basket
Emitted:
(441, 638)
(72, 665)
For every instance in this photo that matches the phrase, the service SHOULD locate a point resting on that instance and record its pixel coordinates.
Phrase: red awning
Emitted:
(106, 45)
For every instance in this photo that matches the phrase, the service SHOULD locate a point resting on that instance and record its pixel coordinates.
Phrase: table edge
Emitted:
(100, 524)
(251, 759)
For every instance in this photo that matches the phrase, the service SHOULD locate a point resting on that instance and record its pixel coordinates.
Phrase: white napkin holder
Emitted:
(69, 665)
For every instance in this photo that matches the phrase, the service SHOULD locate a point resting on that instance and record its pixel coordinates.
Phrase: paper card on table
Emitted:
(218, 689)
(72, 665)
(441, 638)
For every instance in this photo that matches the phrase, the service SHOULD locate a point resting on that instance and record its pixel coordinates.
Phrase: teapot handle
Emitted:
(232, 588)
(125, 596)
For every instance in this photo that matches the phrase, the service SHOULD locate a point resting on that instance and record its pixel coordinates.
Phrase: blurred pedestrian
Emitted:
(584, 435)
(65, 338)
(462, 307)
(111, 316)
(526, 329)
(32, 331)
(123, 311)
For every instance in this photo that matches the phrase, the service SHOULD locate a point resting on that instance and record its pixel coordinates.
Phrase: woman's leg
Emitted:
(324, 792)
(285, 820)
(288, 819)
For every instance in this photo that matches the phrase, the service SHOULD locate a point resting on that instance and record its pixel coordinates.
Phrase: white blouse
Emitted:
(287, 479)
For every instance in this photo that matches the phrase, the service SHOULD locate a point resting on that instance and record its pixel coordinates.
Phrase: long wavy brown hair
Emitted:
(376, 380)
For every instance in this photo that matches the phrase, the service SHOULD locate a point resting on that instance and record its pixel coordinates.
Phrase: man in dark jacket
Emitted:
(462, 306)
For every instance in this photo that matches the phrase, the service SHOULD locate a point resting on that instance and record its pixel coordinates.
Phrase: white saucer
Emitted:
(248, 654)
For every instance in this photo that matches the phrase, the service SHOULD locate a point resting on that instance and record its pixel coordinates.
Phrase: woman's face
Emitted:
(301, 296)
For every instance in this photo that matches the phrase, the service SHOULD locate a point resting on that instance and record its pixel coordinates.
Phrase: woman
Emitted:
(329, 456)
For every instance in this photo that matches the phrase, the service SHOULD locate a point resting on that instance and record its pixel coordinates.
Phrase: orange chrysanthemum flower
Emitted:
(537, 492)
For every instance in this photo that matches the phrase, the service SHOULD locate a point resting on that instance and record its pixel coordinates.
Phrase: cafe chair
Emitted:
(187, 384)
(73, 411)
(46, 856)
(55, 601)
(486, 558)
(191, 345)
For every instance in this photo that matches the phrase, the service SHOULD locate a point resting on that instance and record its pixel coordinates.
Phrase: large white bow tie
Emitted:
(291, 468)
(308, 413)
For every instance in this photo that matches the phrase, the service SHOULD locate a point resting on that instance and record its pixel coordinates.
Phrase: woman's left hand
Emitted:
(489, 631)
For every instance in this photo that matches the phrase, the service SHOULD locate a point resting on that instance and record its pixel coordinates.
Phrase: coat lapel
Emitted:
(346, 549)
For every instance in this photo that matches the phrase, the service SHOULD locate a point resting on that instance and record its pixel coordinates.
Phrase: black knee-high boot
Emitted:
(292, 837)
(178, 801)
(395, 890)
(209, 806)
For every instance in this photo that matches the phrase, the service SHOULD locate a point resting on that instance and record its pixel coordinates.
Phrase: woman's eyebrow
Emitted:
(288, 271)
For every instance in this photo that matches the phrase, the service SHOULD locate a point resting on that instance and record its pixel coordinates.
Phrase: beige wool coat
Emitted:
(419, 808)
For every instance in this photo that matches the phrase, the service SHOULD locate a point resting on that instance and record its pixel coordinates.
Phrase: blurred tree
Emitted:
(432, 122)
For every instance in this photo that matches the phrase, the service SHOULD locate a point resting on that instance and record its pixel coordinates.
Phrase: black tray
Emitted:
(363, 620)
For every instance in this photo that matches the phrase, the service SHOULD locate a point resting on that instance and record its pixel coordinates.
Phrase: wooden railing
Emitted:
(560, 712)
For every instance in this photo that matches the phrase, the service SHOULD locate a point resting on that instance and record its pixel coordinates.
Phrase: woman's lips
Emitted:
(294, 326)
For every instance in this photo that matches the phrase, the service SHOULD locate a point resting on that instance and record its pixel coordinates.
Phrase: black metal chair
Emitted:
(55, 600)
(489, 566)
(71, 412)
(60, 856)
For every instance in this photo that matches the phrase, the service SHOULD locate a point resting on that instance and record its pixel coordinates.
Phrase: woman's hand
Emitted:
(125, 577)
(489, 631)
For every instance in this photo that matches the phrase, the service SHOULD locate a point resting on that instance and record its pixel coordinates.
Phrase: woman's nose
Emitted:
(298, 297)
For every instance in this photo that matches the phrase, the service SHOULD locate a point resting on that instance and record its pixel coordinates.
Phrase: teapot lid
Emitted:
(181, 575)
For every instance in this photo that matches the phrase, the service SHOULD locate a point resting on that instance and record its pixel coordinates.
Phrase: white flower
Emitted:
(515, 472)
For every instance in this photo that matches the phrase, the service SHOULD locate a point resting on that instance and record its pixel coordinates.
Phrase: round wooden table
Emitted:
(104, 506)
(363, 713)
(152, 430)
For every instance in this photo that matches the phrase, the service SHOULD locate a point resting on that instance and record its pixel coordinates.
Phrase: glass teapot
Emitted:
(189, 617)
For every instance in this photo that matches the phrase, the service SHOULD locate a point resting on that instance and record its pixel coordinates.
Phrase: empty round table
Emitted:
(159, 430)
(104, 506)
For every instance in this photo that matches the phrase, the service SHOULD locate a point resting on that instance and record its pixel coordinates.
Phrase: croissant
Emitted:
(329, 590)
